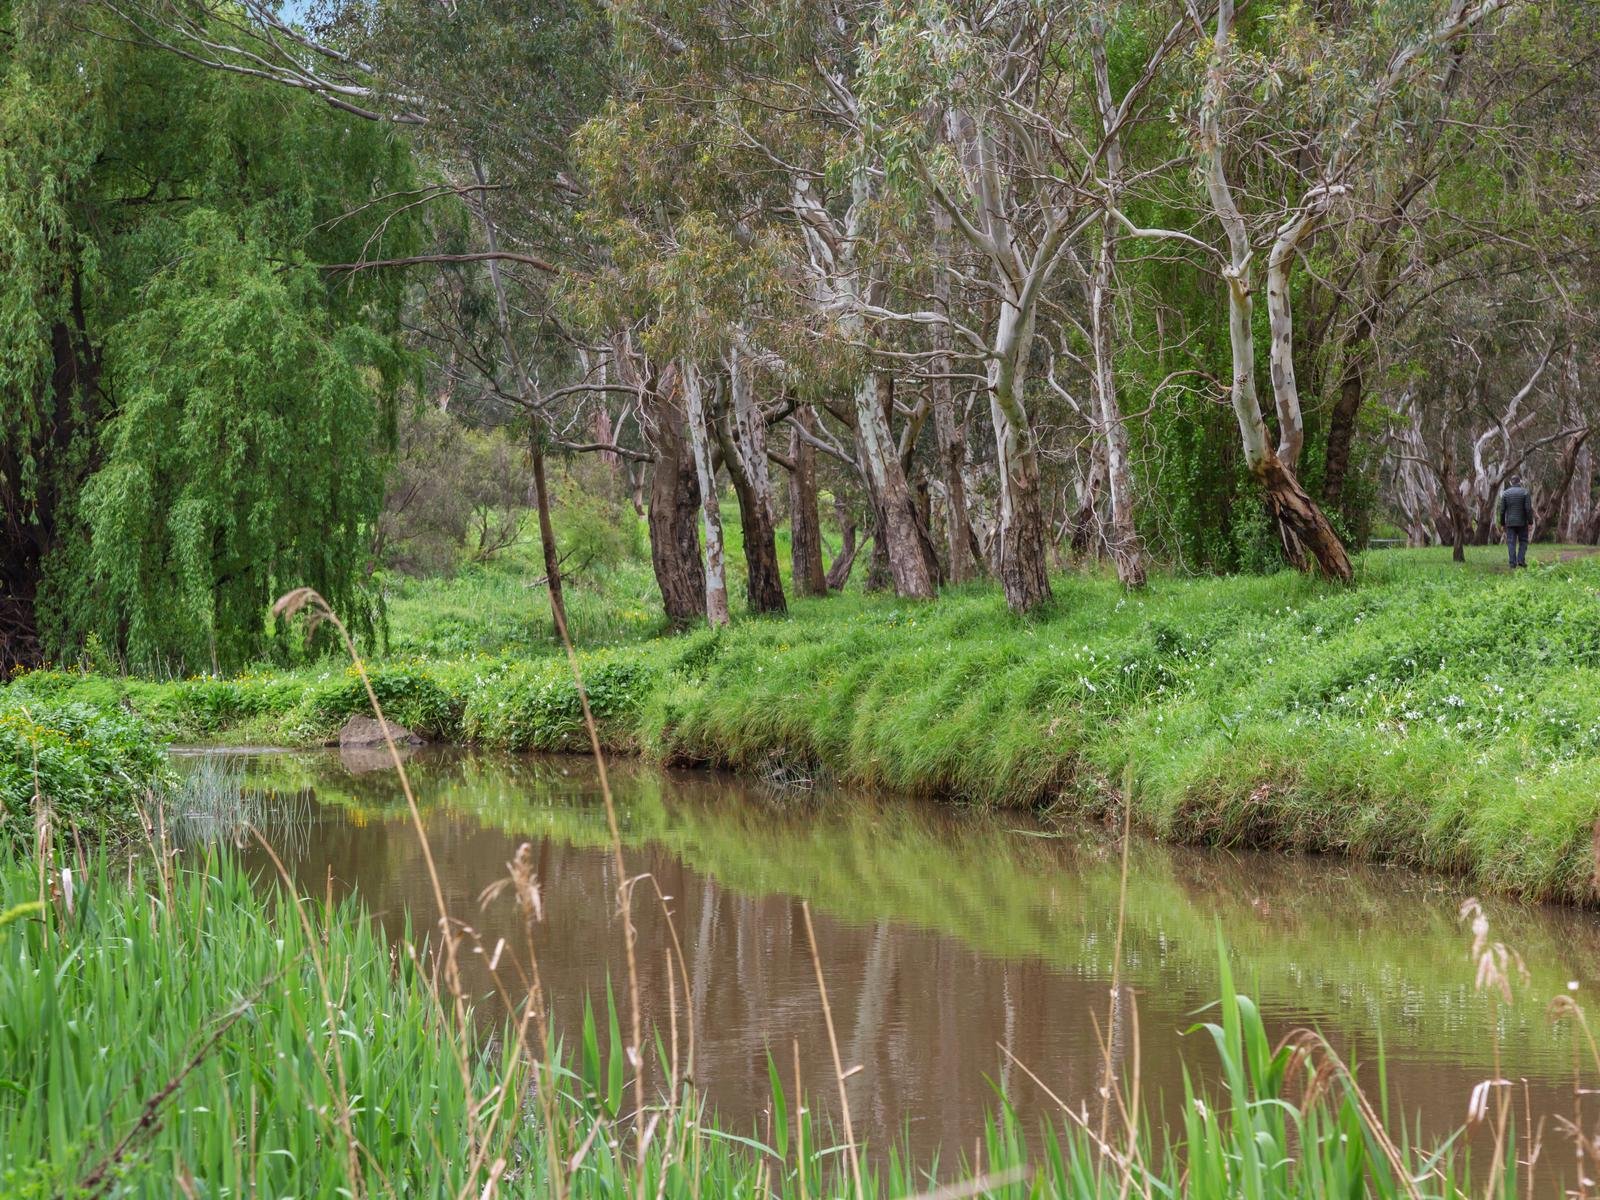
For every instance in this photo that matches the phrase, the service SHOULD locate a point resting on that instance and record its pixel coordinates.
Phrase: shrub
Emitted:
(409, 694)
(535, 706)
(90, 765)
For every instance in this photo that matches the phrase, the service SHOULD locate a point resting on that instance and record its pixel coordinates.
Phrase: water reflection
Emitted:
(954, 946)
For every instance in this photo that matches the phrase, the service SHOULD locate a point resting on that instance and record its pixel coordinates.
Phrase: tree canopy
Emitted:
(1012, 286)
(194, 413)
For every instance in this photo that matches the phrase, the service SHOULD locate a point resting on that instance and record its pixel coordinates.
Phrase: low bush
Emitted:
(535, 706)
(89, 766)
(408, 693)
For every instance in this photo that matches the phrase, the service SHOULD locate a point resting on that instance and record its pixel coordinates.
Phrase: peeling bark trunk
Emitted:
(948, 427)
(1020, 524)
(749, 427)
(1023, 572)
(805, 528)
(896, 536)
(1280, 323)
(1307, 536)
(1302, 526)
(922, 510)
(764, 584)
(674, 504)
(716, 601)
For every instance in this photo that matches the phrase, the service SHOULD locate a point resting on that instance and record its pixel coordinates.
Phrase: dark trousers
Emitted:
(1517, 544)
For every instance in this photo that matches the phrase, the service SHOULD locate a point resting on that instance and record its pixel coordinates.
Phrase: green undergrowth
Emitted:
(77, 767)
(1433, 715)
(500, 607)
(305, 1054)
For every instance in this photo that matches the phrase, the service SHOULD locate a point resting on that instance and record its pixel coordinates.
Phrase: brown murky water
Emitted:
(955, 946)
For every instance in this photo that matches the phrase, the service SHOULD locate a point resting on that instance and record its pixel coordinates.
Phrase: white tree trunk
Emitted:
(1122, 533)
(700, 437)
(1241, 304)
(750, 430)
(1303, 527)
(1280, 317)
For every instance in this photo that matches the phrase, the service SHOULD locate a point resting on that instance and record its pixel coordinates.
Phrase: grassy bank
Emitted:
(1434, 715)
(305, 1055)
(68, 767)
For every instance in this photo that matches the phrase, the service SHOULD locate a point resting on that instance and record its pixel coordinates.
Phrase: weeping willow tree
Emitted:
(193, 415)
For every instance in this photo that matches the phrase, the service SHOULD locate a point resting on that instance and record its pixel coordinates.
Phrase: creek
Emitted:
(958, 948)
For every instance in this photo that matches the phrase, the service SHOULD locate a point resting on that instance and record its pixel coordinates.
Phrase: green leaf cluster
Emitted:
(194, 414)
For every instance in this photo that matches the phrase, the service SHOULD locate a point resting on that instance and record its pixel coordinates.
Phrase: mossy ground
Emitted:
(1434, 714)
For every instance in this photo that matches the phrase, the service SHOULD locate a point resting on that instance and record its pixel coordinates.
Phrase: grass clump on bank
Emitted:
(187, 1032)
(77, 766)
(1438, 716)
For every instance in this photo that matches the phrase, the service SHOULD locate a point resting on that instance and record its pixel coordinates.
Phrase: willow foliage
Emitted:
(194, 415)
(240, 461)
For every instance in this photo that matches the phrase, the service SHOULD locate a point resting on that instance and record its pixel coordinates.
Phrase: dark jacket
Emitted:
(1516, 507)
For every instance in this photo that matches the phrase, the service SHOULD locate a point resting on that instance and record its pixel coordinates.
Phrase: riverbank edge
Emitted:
(1435, 720)
(1282, 811)
(1271, 817)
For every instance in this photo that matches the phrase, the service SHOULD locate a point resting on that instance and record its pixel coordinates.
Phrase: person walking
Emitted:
(1515, 515)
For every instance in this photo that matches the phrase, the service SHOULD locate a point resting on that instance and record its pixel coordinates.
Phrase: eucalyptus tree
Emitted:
(1326, 124)
(689, 263)
(753, 65)
(981, 109)
(849, 288)
(722, 85)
